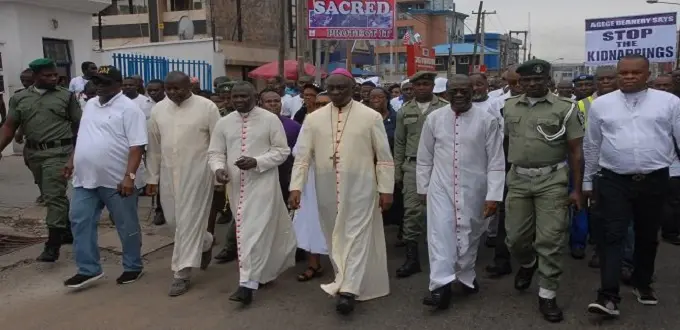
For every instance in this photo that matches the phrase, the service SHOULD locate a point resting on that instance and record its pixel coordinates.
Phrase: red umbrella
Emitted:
(271, 70)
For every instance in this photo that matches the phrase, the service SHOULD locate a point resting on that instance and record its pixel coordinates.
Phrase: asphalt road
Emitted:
(33, 298)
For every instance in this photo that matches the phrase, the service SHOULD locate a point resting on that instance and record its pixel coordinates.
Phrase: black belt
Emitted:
(662, 172)
(48, 144)
(410, 159)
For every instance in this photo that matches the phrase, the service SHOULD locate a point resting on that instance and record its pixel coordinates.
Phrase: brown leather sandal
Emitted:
(310, 274)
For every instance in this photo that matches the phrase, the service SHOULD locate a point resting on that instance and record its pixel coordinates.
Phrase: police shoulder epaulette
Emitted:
(441, 99)
(566, 99)
(407, 102)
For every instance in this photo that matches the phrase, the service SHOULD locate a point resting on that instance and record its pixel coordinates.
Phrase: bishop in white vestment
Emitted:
(460, 169)
(354, 175)
(179, 134)
(246, 149)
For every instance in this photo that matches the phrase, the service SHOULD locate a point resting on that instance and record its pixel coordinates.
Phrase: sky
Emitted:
(557, 26)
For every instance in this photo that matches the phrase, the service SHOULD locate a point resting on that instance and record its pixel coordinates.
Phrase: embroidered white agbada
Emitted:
(264, 233)
(177, 158)
(460, 165)
(306, 219)
(347, 193)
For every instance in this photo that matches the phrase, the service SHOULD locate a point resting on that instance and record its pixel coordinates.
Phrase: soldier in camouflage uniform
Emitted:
(49, 116)
(410, 119)
(544, 131)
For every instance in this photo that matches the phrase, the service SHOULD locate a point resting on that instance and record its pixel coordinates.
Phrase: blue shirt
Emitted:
(390, 126)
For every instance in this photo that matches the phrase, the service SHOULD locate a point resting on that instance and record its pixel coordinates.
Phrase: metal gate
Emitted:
(157, 67)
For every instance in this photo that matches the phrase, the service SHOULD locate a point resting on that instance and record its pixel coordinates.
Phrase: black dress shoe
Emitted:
(578, 252)
(206, 257)
(412, 264)
(226, 256)
(551, 312)
(159, 219)
(524, 277)
(345, 303)
(242, 295)
(594, 261)
(499, 270)
(440, 298)
(468, 290)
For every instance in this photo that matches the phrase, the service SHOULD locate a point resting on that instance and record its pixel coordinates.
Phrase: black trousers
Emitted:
(159, 208)
(501, 253)
(620, 199)
(671, 220)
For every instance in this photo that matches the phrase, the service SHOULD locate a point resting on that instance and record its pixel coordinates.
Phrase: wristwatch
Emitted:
(132, 176)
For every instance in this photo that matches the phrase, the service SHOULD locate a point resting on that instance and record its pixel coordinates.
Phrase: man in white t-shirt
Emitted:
(106, 172)
(77, 84)
(131, 90)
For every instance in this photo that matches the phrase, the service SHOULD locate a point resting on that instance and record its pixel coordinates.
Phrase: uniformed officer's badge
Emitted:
(538, 69)
(581, 118)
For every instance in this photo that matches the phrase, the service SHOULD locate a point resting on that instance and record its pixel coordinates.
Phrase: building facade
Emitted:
(431, 19)
(507, 50)
(244, 29)
(31, 29)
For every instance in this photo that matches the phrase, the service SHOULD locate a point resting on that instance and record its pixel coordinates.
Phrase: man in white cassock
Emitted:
(245, 151)
(460, 172)
(177, 156)
(354, 175)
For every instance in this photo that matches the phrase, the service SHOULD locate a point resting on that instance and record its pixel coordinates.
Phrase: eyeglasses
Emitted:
(321, 104)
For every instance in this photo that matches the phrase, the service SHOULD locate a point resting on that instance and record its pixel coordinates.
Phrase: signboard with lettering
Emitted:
(351, 19)
(609, 39)
(419, 59)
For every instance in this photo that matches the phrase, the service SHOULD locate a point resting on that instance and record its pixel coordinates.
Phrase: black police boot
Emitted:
(524, 277)
(551, 312)
(499, 269)
(67, 236)
(439, 298)
(226, 255)
(412, 264)
(51, 251)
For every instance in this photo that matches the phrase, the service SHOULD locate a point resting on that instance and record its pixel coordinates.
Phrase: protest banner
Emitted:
(653, 36)
(351, 19)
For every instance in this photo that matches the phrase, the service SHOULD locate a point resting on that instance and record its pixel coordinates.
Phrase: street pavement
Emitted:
(33, 297)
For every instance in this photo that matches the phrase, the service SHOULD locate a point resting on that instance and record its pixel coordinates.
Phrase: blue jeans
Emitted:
(579, 225)
(86, 210)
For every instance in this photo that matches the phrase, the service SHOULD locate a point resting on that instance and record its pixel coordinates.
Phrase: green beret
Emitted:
(41, 63)
(225, 87)
(220, 80)
(427, 75)
(534, 67)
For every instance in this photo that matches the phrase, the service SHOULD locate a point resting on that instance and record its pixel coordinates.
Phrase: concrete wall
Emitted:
(22, 29)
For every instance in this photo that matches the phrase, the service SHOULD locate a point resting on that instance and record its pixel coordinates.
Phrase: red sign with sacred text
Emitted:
(419, 59)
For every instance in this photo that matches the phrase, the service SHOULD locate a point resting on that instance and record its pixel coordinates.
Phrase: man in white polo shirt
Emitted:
(131, 90)
(106, 161)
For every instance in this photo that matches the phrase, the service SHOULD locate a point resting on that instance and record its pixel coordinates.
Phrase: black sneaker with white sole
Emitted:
(80, 280)
(129, 277)
(604, 307)
(646, 296)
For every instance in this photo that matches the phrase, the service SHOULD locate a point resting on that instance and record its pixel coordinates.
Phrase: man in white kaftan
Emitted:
(179, 134)
(264, 233)
(461, 168)
(354, 175)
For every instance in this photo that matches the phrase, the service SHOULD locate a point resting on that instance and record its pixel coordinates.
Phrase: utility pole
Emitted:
(452, 32)
(524, 45)
(282, 38)
(483, 36)
(474, 51)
